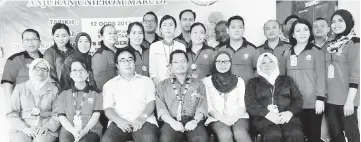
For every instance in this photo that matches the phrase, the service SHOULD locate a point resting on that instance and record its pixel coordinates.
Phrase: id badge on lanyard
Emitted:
(293, 59)
(77, 121)
(331, 71)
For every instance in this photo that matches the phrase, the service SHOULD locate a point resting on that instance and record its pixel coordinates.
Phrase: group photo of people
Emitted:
(300, 85)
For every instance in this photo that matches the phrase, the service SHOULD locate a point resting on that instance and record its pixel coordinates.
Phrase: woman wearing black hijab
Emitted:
(227, 113)
(82, 48)
(343, 79)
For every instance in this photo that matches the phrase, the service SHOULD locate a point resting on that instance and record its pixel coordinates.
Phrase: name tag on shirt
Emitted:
(77, 122)
(331, 71)
(293, 59)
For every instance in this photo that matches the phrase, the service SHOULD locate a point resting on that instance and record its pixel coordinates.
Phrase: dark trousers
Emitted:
(238, 131)
(148, 133)
(103, 121)
(311, 124)
(288, 132)
(337, 123)
(66, 136)
(199, 134)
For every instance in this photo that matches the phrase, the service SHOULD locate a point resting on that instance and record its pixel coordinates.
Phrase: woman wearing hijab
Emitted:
(82, 48)
(226, 108)
(273, 101)
(343, 79)
(33, 106)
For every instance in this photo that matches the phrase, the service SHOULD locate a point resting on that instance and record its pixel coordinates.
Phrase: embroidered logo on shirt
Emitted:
(245, 56)
(195, 94)
(308, 57)
(205, 56)
(90, 100)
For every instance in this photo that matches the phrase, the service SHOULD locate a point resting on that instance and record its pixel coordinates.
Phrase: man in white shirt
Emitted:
(129, 103)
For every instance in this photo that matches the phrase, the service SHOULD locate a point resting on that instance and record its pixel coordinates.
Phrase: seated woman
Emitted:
(80, 107)
(273, 101)
(226, 108)
(33, 106)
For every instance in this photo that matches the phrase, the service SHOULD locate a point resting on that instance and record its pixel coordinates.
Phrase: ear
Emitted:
(328, 29)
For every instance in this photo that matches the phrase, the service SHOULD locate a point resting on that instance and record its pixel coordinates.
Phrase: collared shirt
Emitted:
(147, 44)
(233, 104)
(182, 40)
(194, 101)
(203, 59)
(56, 58)
(93, 102)
(159, 56)
(23, 100)
(278, 51)
(142, 60)
(322, 46)
(308, 72)
(244, 60)
(103, 66)
(16, 69)
(129, 98)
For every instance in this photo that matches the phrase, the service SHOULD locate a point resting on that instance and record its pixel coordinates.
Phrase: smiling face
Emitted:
(267, 65)
(301, 33)
(61, 37)
(235, 29)
(179, 63)
(31, 42)
(272, 30)
(125, 63)
(83, 44)
(78, 72)
(136, 35)
(223, 63)
(110, 35)
(198, 34)
(338, 24)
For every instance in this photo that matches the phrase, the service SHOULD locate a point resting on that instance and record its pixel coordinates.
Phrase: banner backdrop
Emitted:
(89, 15)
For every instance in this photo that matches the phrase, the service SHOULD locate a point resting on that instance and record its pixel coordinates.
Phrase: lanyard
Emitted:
(39, 102)
(179, 96)
(225, 96)
(272, 95)
(197, 55)
(170, 51)
(81, 104)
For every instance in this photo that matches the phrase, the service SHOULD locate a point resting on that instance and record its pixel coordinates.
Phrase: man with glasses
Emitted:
(150, 24)
(16, 67)
(181, 103)
(186, 18)
(129, 103)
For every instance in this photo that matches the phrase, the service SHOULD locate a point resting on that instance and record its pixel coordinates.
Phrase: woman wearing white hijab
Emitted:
(33, 106)
(273, 100)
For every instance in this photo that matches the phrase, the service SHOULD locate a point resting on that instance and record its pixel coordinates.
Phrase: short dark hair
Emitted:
(121, 50)
(152, 13)
(198, 24)
(293, 41)
(321, 18)
(279, 24)
(222, 22)
(30, 31)
(166, 17)
(290, 17)
(237, 17)
(102, 29)
(177, 52)
(187, 10)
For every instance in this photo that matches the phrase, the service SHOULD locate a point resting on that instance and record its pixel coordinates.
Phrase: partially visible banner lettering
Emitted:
(66, 3)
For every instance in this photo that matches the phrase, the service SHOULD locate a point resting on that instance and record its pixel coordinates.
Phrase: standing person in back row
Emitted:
(320, 30)
(244, 54)
(343, 79)
(159, 52)
(150, 24)
(186, 18)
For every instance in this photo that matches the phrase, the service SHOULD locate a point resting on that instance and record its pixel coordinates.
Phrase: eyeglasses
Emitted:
(78, 71)
(219, 62)
(38, 69)
(149, 21)
(28, 40)
(123, 61)
(181, 61)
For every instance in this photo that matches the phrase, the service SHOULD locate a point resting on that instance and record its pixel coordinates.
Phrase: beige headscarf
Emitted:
(275, 73)
(37, 84)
